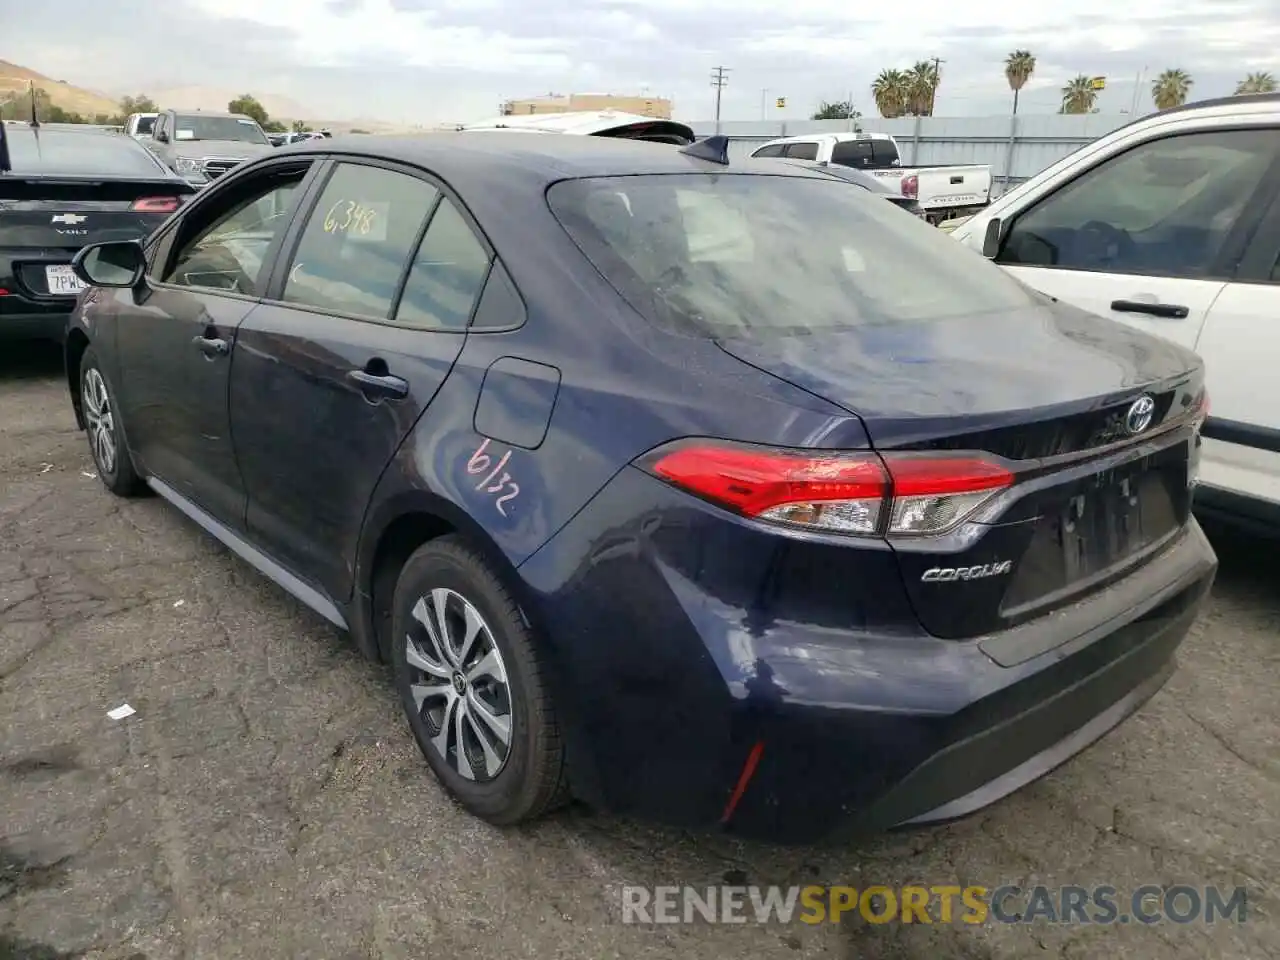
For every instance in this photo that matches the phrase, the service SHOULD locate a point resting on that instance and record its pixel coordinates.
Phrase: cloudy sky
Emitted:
(427, 61)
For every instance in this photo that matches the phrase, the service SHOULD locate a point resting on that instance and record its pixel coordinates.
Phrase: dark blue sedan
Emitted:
(717, 493)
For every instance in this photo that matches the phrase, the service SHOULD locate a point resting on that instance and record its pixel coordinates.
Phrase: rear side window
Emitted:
(772, 150)
(447, 274)
(358, 241)
(728, 255)
(802, 151)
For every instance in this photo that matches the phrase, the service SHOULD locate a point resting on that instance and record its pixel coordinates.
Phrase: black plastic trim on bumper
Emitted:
(999, 758)
(1164, 575)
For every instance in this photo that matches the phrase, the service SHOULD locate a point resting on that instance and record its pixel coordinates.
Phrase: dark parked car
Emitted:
(59, 190)
(720, 494)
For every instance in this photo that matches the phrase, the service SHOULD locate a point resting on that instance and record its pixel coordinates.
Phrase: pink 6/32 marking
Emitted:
(479, 462)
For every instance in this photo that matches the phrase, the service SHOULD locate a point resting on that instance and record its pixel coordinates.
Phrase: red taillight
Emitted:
(911, 186)
(3, 292)
(155, 205)
(851, 493)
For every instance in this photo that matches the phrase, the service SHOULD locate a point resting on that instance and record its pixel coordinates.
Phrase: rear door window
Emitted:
(802, 151)
(358, 240)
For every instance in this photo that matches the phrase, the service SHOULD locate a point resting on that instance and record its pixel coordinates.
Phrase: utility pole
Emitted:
(937, 78)
(719, 81)
(849, 112)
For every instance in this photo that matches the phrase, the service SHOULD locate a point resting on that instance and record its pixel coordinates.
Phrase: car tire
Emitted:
(458, 721)
(105, 430)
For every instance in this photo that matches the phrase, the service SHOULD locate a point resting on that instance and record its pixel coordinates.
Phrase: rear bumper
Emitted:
(672, 676)
(33, 326)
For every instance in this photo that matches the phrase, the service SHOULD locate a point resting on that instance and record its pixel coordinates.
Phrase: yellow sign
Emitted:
(348, 216)
(1098, 83)
(781, 102)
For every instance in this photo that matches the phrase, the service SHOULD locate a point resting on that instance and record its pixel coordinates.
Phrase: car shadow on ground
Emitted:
(30, 360)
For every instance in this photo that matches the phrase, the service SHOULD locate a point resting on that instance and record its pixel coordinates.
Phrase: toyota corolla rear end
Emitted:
(65, 190)
(975, 563)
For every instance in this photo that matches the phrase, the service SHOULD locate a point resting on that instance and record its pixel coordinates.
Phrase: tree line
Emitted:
(912, 92)
(17, 106)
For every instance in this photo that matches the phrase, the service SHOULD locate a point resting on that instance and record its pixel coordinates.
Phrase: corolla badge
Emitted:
(1141, 412)
(979, 572)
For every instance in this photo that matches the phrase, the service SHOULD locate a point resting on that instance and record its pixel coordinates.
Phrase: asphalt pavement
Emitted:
(266, 800)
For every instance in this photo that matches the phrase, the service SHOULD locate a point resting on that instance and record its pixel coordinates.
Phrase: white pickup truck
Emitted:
(941, 191)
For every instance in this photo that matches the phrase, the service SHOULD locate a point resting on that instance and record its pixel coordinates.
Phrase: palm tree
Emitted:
(1078, 96)
(922, 80)
(1170, 89)
(1018, 68)
(1259, 82)
(891, 91)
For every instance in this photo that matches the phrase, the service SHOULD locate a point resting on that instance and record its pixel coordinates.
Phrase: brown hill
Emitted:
(16, 80)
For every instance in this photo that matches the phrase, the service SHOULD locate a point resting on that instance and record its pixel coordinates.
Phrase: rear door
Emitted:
(1240, 344)
(367, 311)
(175, 340)
(1149, 237)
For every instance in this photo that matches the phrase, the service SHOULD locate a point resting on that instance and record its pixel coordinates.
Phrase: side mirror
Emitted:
(115, 263)
(992, 238)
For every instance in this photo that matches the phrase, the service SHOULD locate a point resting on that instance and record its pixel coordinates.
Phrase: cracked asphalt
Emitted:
(267, 800)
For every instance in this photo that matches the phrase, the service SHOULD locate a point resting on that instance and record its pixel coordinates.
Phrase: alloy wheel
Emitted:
(101, 420)
(459, 684)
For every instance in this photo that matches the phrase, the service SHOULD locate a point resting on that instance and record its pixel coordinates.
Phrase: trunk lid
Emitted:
(1048, 390)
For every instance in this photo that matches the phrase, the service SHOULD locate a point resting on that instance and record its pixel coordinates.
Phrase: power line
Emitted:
(719, 81)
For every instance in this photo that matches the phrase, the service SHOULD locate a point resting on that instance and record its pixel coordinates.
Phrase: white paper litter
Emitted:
(86, 473)
(179, 603)
(46, 467)
(122, 711)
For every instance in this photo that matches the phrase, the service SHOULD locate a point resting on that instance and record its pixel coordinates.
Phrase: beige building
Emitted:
(658, 107)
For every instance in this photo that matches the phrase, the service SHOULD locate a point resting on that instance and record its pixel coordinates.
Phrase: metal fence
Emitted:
(1016, 148)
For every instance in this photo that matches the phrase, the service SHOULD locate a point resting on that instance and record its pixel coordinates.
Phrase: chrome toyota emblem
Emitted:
(1141, 413)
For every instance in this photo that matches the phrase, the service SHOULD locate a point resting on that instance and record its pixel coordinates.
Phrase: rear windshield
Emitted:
(76, 153)
(146, 124)
(217, 128)
(864, 153)
(754, 255)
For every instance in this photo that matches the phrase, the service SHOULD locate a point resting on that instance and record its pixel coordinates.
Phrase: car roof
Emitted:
(69, 152)
(474, 158)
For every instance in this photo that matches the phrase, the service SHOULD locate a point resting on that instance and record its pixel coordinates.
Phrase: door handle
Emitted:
(1169, 311)
(380, 385)
(212, 347)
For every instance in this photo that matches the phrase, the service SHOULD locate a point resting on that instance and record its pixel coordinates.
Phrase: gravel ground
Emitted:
(266, 800)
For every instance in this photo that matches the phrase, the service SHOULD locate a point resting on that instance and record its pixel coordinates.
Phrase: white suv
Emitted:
(1172, 224)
